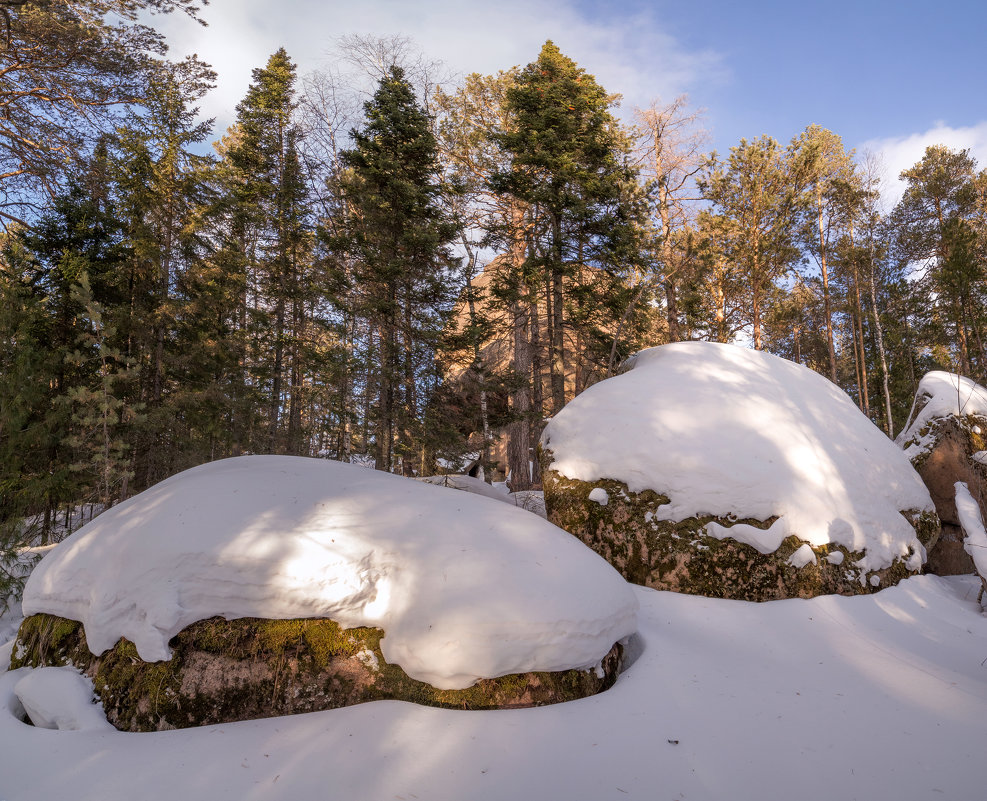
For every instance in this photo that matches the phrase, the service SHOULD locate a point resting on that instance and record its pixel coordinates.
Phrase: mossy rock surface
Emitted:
(681, 557)
(228, 670)
(947, 457)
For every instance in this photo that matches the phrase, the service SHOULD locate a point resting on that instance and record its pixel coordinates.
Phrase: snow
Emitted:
(972, 523)
(599, 495)
(805, 556)
(727, 431)
(459, 481)
(940, 394)
(980, 457)
(764, 540)
(878, 697)
(463, 586)
(530, 500)
(60, 698)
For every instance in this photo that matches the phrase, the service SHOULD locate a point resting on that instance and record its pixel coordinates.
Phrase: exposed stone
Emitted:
(949, 445)
(228, 670)
(681, 557)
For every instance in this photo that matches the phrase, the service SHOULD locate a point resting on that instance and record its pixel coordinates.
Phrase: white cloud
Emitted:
(630, 54)
(901, 152)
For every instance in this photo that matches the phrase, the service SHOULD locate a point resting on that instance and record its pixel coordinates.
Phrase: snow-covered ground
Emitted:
(871, 697)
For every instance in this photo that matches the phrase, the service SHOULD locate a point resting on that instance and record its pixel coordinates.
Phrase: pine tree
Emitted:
(828, 170)
(568, 159)
(931, 218)
(759, 193)
(68, 69)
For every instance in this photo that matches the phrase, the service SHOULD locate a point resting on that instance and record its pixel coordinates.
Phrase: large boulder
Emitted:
(946, 440)
(258, 586)
(717, 470)
(227, 670)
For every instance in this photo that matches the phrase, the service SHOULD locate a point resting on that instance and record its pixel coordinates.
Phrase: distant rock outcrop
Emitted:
(946, 441)
(721, 471)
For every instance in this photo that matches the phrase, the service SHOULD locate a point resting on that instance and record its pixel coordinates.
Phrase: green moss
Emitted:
(45, 640)
(680, 556)
(226, 670)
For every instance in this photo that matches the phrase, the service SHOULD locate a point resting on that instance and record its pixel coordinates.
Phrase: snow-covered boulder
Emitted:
(734, 473)
(946, 441)
(314, 579)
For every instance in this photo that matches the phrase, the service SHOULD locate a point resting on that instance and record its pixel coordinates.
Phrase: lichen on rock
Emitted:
(680, 556)
(228, 670)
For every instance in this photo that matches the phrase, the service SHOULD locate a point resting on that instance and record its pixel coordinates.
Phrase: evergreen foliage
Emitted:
(395, 249)
(438, 282)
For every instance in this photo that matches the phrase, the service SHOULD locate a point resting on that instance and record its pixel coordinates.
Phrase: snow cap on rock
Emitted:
(940, 394)
(463, 586)
(727, 431)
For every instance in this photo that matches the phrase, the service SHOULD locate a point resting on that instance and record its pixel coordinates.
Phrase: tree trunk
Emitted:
(278, 371)
(863, 352)
(479, 371)
(672, 310)
(827, 305)
(519, 433)
(557, 334)
(671, 292)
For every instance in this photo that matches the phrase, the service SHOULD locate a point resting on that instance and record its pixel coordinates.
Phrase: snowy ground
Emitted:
(872, 697)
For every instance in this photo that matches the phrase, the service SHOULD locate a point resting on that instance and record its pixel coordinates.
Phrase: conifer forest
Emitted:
(374, 265)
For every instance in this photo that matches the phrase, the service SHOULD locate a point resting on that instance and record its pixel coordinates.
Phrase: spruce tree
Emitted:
(75, 243)
(267, 235)
(567, 159)
(160, 189)
(396, 239)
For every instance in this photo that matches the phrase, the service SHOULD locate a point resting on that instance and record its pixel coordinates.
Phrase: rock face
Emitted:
(228, 670)
(715, 470)
(681, 556)
(945, 439)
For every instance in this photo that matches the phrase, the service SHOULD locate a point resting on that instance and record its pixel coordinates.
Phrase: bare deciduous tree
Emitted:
(670, 143)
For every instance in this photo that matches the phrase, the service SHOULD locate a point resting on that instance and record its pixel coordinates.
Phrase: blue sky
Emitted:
(887, 76)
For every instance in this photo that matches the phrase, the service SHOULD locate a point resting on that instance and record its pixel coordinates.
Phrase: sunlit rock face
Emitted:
(736, 474)
(946, 441)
